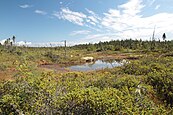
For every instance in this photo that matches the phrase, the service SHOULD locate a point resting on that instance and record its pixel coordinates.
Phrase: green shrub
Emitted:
(3, 67)
(52, 57)
(162, 83)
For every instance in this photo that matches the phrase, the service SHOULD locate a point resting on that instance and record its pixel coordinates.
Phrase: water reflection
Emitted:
(99, 64)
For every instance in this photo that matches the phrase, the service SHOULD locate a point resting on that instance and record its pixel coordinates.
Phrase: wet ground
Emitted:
(97, 65)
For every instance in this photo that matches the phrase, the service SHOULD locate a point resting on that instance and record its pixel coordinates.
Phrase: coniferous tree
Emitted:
(13, 38)
(164, 36)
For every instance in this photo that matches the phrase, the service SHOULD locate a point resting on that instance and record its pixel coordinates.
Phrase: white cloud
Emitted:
(125, 21)
(93, 16)
(47, 44)
(51, 44)
(96, 38)
(71, 16)
(112, 12)
(2, 41)
(23, 43)
(157, 7)
(92, 19)
(40, 12)
(78, 18)
(151, 2)
(80, 32)
(131, 24)
(19, 43)
(132, 7)
(25, 6)
(89, 11)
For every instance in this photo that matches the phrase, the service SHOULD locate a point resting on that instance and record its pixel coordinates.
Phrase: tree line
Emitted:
(9, 41)
(130, 44)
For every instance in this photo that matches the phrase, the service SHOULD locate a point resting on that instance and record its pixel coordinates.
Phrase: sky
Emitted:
(45, 22)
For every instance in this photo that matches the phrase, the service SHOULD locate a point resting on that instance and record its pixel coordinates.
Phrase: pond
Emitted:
(97, 65)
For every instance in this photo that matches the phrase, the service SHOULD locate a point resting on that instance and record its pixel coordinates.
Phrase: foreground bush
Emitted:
(52, 94)
(158, 72)
(120, 92)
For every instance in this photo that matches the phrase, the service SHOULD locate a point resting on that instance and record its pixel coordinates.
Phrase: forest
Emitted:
(143, 86)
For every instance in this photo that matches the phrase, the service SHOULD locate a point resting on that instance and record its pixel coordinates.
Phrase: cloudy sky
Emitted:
(84, 21)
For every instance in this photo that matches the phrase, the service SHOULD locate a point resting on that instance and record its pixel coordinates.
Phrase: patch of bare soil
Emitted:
(114, 56)
(54, 67)
(119, 56)
(7, 75)
(43, 62)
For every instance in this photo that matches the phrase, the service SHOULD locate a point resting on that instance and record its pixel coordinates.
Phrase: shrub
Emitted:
(162, 83)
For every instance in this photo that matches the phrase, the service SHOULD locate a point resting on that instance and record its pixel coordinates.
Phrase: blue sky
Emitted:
(84, 21)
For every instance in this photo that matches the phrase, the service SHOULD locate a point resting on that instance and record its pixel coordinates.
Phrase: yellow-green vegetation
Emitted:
(143, 86)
